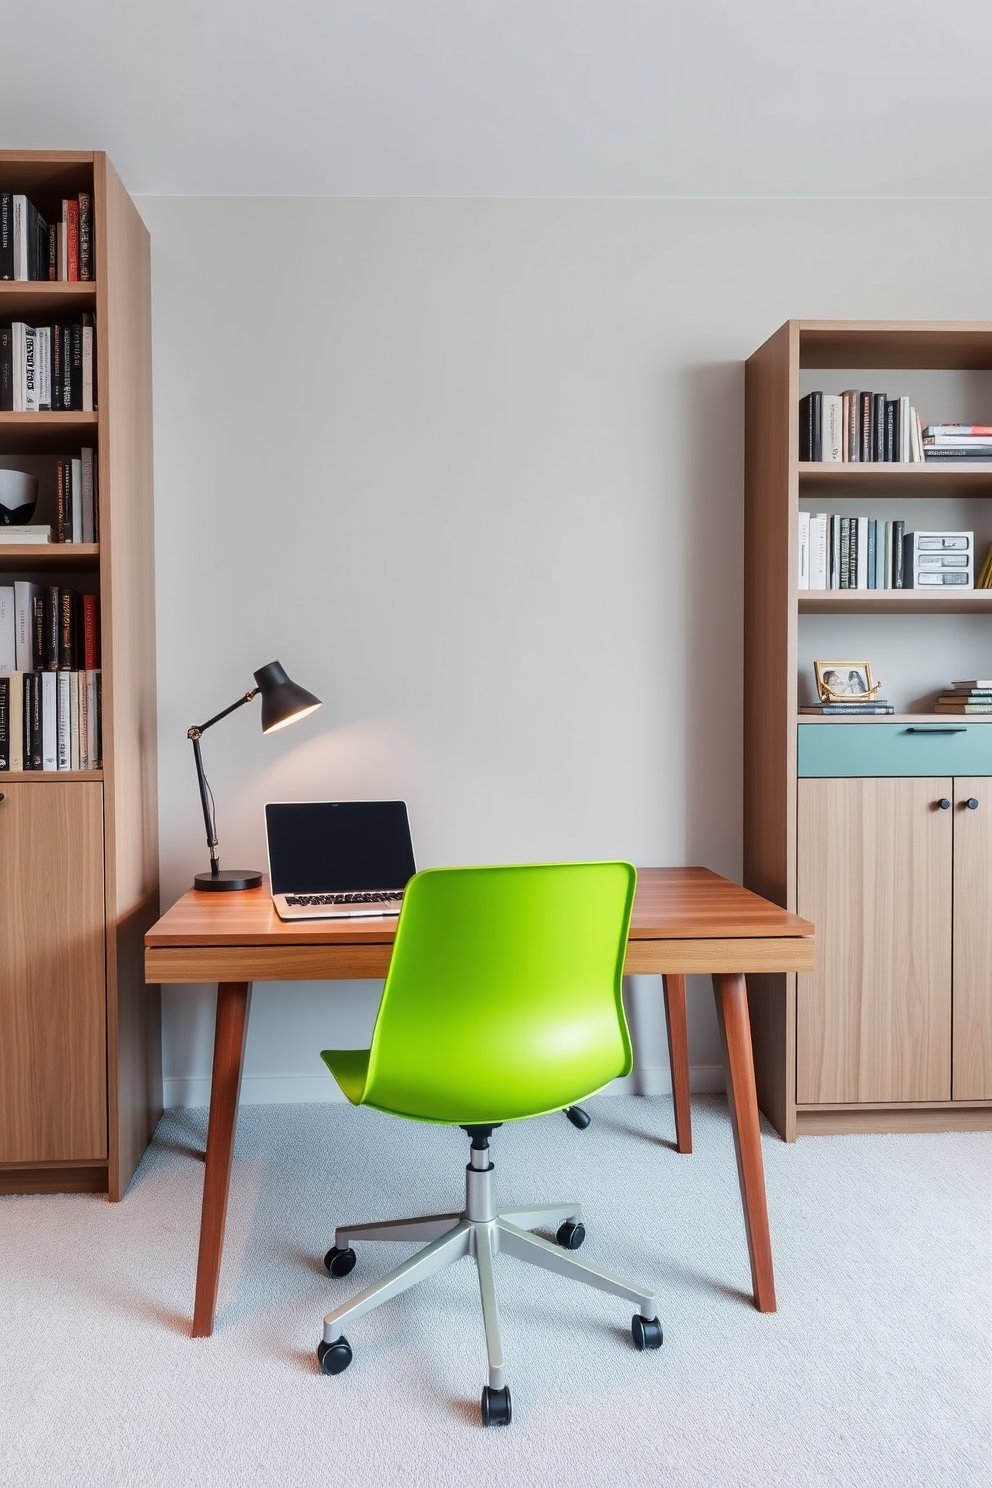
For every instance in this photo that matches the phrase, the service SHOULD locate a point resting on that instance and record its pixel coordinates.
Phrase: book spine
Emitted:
(53, 628)
(835, 552)
(76, 488)
(89, 365)
(898, 533)
(72, 241)
(879, 401)
(87, 495)
(892, 429)
(76, 368)
(84, 756)
(852, 405)
(6, 235)
(74, 720)
(44, 359)
(93, 720)
(865, 445)
(63, 527)
(860, 525)
(35, 721)
(49, 721)
(85, 236)
(819, 568)
(832, 429)
(4, 722)
(845, 552)
(38, 641)
(802, 572)
(30, 391)
(63, 722)
(67, 631)
(57, 366)
(17, 720)
(872, 552)
(8, 629)
(53, 250)
(20, 236)
(91, 632)
(6, 369)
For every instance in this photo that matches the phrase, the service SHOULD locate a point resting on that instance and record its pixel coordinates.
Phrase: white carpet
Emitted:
(876, 1371)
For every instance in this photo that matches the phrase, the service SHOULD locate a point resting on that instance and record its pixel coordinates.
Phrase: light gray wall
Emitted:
(473, 471)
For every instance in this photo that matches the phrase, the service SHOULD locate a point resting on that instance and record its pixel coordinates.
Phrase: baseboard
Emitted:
(277, 1090)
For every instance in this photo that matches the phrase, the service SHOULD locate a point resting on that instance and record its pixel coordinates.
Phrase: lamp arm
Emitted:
(206, 799)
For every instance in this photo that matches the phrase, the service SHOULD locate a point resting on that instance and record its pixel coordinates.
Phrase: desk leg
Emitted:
(678, 1058)
(735, 1032)
(233, 999)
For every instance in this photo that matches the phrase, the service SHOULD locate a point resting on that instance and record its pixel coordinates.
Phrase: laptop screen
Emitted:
(338, 847)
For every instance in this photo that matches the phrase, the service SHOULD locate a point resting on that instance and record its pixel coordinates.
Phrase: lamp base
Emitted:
(228, 878)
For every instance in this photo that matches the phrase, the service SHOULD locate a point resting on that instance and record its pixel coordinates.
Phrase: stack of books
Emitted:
(838, 710)
(966, 697)
(50, 692)
(31, 248)
(957, 442)
(48, 367)
(849, 552)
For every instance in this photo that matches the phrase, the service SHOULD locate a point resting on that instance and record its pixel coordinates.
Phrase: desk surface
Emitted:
(669, 904)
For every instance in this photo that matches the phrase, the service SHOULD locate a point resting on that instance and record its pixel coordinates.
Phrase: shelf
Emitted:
(26, 433)
(894, 602)
(36, 776)
(49, 555)
(916, 479)
(41, 298)
(937, 345)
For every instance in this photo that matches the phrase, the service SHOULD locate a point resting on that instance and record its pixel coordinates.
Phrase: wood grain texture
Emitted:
(233, 1001)
(54, 1178)
(127, 600)
(772, 1011)
(678, 1058)
(934, 1117)
(971, 1039)
(53, 1011)
(771, 391)
(874, 1018)
(938, 344)
(735, 1035)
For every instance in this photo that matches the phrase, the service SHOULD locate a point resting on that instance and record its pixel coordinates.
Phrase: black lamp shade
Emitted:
(283, 701)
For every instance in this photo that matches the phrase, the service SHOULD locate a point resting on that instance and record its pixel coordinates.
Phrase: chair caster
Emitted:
(496, 1408)
(335, 1357)
(571, 1234)
(339, 1262)
(646, 1332)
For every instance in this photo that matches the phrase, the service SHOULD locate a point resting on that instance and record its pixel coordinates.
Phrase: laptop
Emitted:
(338, 859)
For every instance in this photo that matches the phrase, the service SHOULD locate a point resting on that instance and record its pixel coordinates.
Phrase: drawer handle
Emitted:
(944, 804)
(963, 730)
(971, 803)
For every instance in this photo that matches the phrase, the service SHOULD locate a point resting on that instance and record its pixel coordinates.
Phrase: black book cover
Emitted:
(6, 235)
(85, 236)
(61, 510)
(57, 365)
(66, 334)
(892, 429)
(67, 631)
(852, 562)
(845, 552)
(32, 721)
(75, 403)
(53, 251)
(53, 628)
(811, 427)
(28, 739)
(6, 370)
(898, 534)
(878, 426)
(4, 722)
(864, 421)
(38, 638)
(37, 244)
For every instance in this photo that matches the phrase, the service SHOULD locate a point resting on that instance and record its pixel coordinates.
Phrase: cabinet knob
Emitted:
(971, 803)
(944, 804)
(1, 795)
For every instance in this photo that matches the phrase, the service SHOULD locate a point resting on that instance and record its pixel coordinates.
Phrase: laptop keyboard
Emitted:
(388, 897)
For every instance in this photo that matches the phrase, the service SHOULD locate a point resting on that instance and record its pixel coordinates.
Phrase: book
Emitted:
(861, 553)
(88, 368)
(832, 428)
(6, 369)
(4, 722)
(49, 721)
(87, 499)
(25, 596)
(85, 236)
(979, 685)
(898, 530)
(867, 402)
(819, 568)
(802, 569)
(32, 725)
(905, 441)
(892, 429)
(19, 533)
(873, 554)
(90, 632)
(946, 452)
(954, 707)
(879, 402)
(851, 402)
(8, 629)
(70, 210)
(76, 498)
(63, 753)
(958, 431)
(811, 427)
(16, 720)
(839, 709)
(6, 235)
(834, 552)
(844, 561)
(49, 659)
(74, 720)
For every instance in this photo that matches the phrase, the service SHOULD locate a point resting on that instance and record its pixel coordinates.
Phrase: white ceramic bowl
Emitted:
(18, 496)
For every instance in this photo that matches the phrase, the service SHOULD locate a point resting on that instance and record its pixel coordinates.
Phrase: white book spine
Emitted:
(43, 354)
(835, 552)
(802, 572)
(49, 721)
(832, 429)
(73, 720)
(915, 438)
(17, 347)
(818, 575)
(8, 630)
(20, 237)
(30, 369)
(87, 369)
(24, 593)
(879, 556)
(77, 501)
(862, 582)
(64, 720)
(17, 720)
(84, 758)
(905, 430)
(93, 719)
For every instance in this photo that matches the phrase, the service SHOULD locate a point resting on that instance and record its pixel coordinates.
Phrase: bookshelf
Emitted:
(867, 830)
(80, 1037)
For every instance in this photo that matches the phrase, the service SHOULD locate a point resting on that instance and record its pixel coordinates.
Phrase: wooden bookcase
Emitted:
(80, 1034)
(893, 1030)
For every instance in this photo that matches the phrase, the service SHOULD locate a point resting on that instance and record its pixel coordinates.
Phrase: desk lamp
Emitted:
(283, 702)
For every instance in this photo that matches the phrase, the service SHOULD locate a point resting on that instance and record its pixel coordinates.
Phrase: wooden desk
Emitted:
(684, 920)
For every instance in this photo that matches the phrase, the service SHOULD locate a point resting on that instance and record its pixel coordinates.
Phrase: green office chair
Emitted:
(502, 1001)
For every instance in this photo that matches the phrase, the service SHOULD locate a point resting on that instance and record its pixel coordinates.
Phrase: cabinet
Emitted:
(80, 1038)
(842, 817)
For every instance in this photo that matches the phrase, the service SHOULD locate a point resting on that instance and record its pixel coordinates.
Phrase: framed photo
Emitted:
(845, 681)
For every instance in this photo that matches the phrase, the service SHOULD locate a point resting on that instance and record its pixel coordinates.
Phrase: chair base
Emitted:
(481, 1232)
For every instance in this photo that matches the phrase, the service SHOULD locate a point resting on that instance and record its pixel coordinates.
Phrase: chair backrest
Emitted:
(503, 997)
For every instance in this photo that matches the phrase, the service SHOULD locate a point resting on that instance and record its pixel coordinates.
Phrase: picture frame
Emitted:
(845, 682)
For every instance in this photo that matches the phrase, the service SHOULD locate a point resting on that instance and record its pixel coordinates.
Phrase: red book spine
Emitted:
(72, 240)
(91, 637)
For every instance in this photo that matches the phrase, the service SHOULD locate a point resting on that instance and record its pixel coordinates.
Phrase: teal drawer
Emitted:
(938, 748)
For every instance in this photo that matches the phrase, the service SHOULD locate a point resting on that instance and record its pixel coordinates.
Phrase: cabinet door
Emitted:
(972, 1022)
(53, 1006)
(874, 875)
